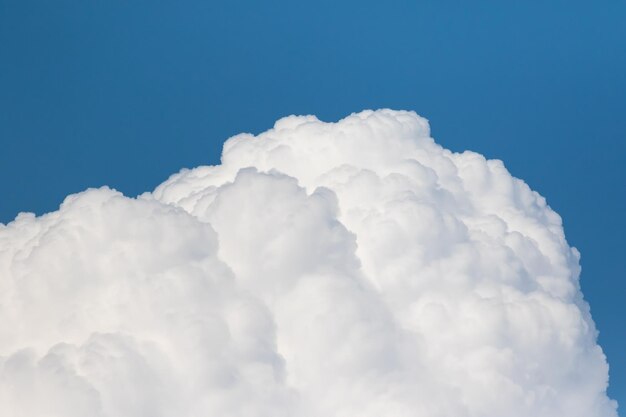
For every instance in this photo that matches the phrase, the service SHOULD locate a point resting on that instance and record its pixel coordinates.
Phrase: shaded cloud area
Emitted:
(354, 268)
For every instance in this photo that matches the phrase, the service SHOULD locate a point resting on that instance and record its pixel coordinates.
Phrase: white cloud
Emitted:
(337, 269)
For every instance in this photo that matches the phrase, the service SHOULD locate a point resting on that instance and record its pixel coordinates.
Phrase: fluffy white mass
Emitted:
(349, 269)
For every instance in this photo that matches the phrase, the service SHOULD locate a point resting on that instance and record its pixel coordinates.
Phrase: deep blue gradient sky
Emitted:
(126, 93)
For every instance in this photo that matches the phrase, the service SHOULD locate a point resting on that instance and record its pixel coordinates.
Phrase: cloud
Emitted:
(337, 269)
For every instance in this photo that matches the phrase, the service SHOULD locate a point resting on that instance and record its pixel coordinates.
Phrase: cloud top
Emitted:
(354, 268)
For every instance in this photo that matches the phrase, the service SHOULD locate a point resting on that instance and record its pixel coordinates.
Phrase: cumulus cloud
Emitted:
(342, 269)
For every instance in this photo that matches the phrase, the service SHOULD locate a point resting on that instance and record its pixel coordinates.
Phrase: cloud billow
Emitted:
(337, 269)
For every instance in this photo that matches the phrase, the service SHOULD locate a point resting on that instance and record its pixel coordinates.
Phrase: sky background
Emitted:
(126, 93)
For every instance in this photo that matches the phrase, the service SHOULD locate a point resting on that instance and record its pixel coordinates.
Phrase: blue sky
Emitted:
(126, 93)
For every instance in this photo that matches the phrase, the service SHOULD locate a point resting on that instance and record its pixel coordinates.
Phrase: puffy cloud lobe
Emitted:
(337, 269)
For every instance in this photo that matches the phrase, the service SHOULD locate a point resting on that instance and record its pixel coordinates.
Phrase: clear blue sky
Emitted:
(125, 93)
